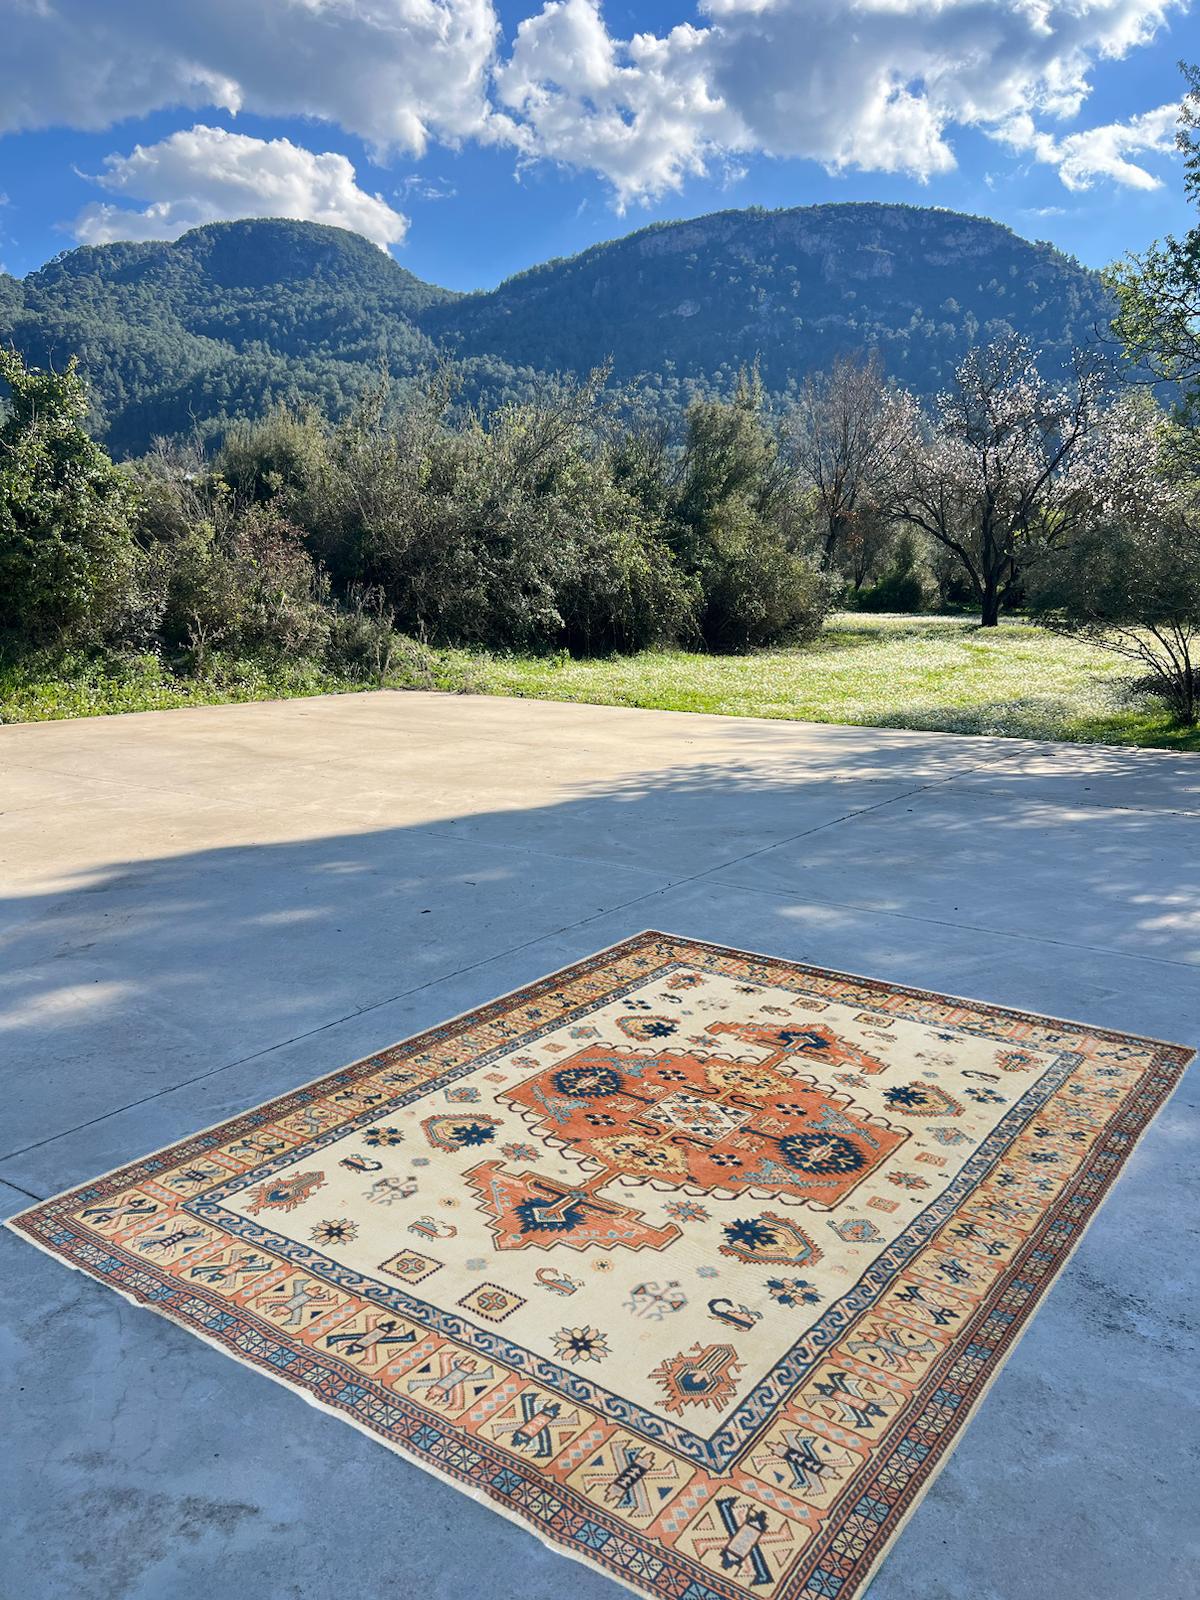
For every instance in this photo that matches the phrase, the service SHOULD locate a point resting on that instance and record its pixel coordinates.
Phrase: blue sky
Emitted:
(474, 139)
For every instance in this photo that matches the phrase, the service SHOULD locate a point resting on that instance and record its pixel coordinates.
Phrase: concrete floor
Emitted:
(203, 908)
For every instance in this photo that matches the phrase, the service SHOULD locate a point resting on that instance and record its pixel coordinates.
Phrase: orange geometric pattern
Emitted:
(676, 1119)
(693, 1261)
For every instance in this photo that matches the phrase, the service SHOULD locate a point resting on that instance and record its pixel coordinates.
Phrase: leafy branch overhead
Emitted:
(1158, 292)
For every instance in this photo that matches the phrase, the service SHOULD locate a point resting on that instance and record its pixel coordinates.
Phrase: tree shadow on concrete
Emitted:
(145, 973)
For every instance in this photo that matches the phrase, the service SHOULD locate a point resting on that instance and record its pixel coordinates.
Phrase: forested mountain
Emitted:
(791, 289)
(234, 315)
(227, 319)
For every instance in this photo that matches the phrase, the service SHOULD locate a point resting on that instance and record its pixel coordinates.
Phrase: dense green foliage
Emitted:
(1158, 292)
(545, 526)
(901, 586)
(69, 568)
(234, 317)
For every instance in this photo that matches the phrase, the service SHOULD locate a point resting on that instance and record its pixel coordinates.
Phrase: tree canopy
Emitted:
(1158, 292)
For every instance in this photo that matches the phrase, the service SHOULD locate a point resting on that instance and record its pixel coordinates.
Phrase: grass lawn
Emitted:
(47, 688)
(939, 673)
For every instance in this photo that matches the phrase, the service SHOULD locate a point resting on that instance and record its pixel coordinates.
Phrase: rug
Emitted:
(693, 1262)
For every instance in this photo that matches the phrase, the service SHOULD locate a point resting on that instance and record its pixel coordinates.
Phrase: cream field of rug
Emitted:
(692, 1262)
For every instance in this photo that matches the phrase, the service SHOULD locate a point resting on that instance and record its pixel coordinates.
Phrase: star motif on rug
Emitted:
(580, 1344)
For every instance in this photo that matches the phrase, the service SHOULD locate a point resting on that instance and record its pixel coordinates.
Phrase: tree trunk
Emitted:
(989, 608)
(991, 567)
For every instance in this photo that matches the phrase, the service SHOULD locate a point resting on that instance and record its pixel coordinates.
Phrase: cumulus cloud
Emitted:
(872, 84)
(395, 72)
(642, 113)
(208, 175)
(878, 85)
(1101, 152)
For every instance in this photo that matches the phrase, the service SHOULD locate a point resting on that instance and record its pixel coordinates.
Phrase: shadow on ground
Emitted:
(144, 997)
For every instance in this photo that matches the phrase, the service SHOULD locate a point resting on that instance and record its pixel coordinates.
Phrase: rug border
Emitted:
(1027, 1321)
(915, 990)
(456, 1484)
(1182, 1056)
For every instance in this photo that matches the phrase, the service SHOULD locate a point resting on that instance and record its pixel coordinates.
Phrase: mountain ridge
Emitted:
(233, 316)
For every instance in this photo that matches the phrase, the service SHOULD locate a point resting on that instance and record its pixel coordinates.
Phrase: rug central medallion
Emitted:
(710, 1123)
(690, 1260)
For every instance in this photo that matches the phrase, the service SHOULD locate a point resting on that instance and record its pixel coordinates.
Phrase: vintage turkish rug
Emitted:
(691, 1261)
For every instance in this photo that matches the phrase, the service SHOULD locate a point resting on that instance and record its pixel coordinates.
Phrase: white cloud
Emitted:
(641, 113)
(208, 175)
(1100, 152)
(418, 187)
(396, 72)
(872, 84)
(879, 85)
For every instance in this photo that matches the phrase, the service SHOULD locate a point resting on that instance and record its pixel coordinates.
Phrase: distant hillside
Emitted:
(234, 315)
(225, 320)
(790, 288)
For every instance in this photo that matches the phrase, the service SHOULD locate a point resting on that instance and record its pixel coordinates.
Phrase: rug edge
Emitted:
(345, 1066)
(917, 991)
(280, 1382)
(1028, 1320)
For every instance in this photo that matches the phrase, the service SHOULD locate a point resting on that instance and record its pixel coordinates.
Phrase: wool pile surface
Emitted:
(691, 1261)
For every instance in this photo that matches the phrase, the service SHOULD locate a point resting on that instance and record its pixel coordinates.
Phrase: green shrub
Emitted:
(247, 590)
(623, 590)
(902, 587)
(362, 644)
(895, 591)
(546, 527)
(70, 570)
(756, 591)
(1132, 586)
(730, 521)
(284, 453)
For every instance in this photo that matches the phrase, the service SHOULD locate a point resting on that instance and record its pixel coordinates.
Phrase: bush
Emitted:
(901, 588)
(758, 592)
(954, 590)
(248, 590)
(895, 591)
(624, 592)
(513, 536)
(350, 548)
(71, 572)
(362, 644)
(281, 454)
(1132, 586)
(731, 518)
